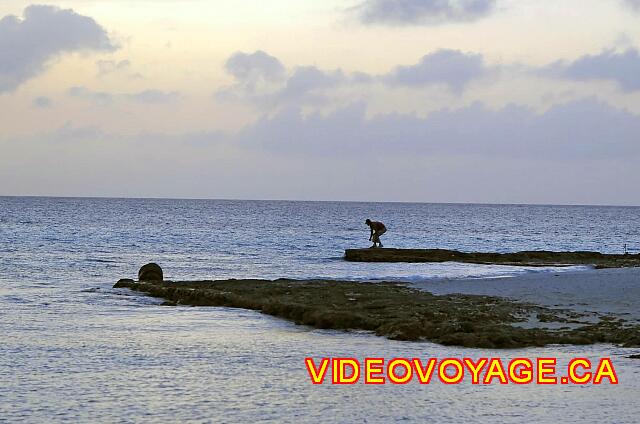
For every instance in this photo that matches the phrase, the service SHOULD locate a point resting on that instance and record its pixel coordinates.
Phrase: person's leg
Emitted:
(379, 234)
(375, 239)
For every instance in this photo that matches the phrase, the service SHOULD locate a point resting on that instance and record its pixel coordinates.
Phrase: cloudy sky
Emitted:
(496, 101)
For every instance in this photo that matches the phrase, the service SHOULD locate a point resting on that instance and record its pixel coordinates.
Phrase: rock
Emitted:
(150, 272)
(124, 282)
(91, 290)
(395, 311)
(526, 258)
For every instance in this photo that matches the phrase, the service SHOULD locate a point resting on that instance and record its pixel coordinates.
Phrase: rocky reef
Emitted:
(526, 258)
(398, 312)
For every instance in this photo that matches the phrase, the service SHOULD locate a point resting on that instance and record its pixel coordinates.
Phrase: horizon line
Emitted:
(319, 201)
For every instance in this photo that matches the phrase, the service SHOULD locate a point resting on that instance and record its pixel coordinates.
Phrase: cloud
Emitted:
(305, 82)
(42, 102)
(620, 67)
(633, 4)
(153, 96)
(310, 85)
(71, 133)
(150, 96)
(421, 12)
(254, 67)
(262, 79)
(256, 75)
(571, 153)
(456, 70)
(121, 67)
(27, 44)
(99, 97)
(450, 67)
(110, 66)
(588, 128)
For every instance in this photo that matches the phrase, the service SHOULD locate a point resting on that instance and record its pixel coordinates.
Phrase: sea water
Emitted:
(74, 349)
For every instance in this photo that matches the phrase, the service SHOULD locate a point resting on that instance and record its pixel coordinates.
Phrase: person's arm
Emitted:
(371, 235)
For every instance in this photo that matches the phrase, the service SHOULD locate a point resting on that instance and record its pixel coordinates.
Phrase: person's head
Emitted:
(368, 222)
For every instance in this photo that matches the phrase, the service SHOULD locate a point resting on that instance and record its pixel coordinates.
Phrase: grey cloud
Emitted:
(305, 83)
(255, 66)
(361, 77)
(256, 74)
(121, 67)
(587, 128)
(456, 69)
(263, 79)
(621, 67)
(154, 96)
(42, 102)
(27, 44)
(416, 12)
(109, 66)
(579, 152)
(450, 67)
(307, 78)
(453, 69)
(311, 85)
(99, 97)
(71, 133)
(150, 96)
(633, 4)
(68, 133)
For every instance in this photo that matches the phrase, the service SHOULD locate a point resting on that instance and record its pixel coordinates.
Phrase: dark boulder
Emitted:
(150, 272)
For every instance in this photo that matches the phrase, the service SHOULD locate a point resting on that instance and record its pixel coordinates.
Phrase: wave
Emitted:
(102, 261)
(478, 272)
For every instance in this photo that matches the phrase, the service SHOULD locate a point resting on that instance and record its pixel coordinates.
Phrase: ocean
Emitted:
(74, 349)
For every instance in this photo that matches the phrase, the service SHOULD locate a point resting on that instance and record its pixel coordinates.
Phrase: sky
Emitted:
(479, 101)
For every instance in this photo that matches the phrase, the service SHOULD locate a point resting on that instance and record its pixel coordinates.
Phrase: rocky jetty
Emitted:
(526, 258)
(398, 312)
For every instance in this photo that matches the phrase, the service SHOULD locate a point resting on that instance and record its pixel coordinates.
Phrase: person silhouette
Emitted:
(377, 229)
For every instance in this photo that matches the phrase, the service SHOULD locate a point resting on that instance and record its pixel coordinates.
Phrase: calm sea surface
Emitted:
(74, 349)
